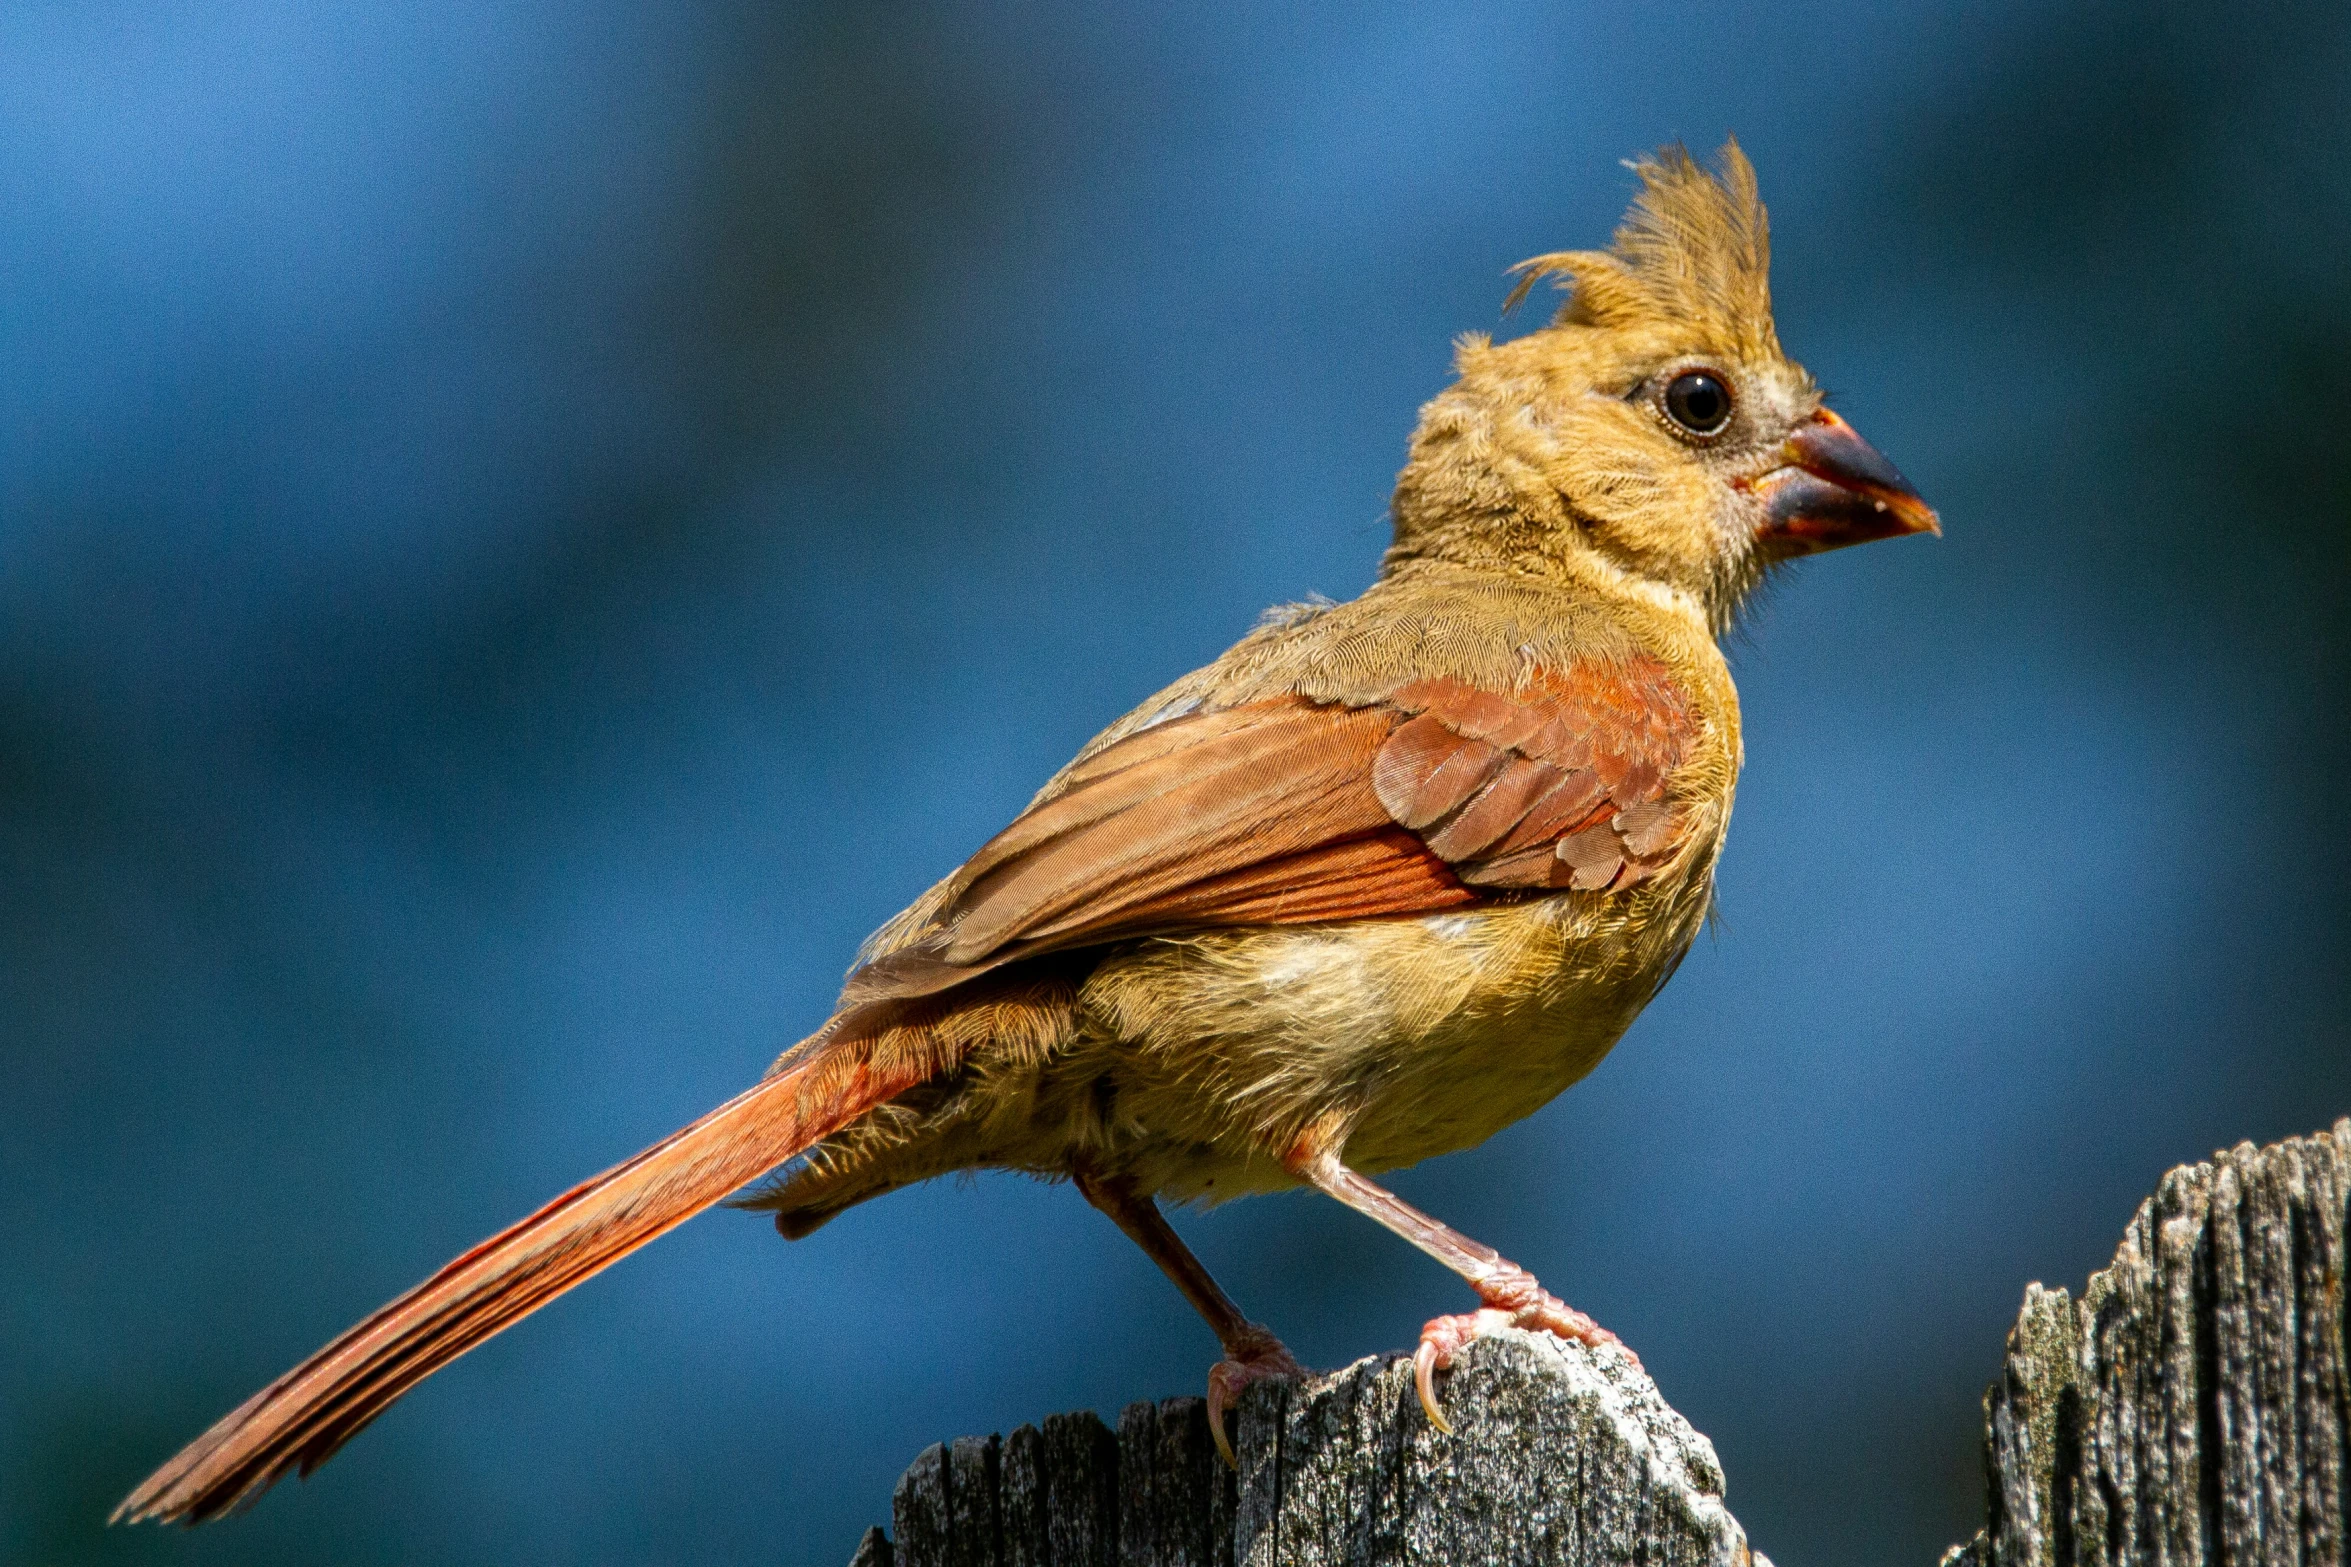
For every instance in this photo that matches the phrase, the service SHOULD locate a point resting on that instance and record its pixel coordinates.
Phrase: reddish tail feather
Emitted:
(298, 1421)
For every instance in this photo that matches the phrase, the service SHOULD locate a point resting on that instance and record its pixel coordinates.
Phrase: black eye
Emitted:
(1699, 402)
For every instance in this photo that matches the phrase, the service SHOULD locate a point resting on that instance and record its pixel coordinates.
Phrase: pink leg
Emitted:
(1511, 1296)
(1251, 1351)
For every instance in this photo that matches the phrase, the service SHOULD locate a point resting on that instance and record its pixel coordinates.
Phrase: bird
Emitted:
(1384, 878)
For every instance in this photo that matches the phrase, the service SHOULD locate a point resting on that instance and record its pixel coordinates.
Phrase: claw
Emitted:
(1440, 1341)
(1512, 1300)
(1424, 1377)
(1219, 1396)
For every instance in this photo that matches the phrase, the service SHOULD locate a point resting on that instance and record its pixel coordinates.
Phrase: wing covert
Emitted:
(1437, 795)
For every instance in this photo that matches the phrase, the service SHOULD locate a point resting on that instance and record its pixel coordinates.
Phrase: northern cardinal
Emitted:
(1381, 880)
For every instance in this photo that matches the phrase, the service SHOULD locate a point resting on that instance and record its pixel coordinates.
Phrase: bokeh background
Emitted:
(527, 528)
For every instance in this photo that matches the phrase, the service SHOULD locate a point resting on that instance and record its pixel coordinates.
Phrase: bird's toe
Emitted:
(1254, 1357)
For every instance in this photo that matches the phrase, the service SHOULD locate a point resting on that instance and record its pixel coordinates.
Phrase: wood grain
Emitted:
(1563, 1455)
(2193, 1407)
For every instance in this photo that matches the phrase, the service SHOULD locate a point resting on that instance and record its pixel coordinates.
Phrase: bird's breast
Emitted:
(1430, 1033)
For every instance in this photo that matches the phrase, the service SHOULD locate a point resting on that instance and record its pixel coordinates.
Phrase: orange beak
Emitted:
(1833, 489)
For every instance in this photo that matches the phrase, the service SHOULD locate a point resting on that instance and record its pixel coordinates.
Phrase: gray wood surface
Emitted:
(1561, 1455)
(2192, 1408)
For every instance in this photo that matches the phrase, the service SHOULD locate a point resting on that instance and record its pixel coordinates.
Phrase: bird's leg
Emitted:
(1251, 1352)
(1511, 1296)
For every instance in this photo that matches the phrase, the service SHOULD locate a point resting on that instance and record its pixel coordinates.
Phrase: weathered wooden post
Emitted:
(1560, 1454)
(2191, 1409)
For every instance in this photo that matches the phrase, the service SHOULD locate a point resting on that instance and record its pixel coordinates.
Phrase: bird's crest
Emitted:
(1694, 248)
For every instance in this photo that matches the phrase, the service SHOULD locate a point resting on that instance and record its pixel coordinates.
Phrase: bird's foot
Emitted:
(1513, 1299)
(1253, 1355)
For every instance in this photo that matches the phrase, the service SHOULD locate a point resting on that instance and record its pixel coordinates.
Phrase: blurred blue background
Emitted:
(526, 529)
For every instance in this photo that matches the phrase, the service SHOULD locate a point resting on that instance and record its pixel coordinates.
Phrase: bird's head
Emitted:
(1654, 430)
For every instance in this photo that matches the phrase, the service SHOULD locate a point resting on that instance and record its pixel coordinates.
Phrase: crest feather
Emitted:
(1695, 248)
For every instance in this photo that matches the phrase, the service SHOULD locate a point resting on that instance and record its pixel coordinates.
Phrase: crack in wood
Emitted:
(2193, 1407)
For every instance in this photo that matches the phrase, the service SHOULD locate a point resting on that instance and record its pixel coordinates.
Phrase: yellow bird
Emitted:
(1378, 882)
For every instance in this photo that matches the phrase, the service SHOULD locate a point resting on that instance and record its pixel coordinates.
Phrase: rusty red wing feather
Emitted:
(1497, 809)
(1573, 801)
(1288, 810)
(1595, 745)
(1426, 770)
(1474, 713)
(1121, 776)
(1296, 776)
(1386, 872)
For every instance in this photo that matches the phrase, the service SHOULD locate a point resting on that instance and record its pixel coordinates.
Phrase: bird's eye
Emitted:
(1699, 402)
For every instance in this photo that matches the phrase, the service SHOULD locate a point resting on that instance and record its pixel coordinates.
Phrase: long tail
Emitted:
(298, 1421)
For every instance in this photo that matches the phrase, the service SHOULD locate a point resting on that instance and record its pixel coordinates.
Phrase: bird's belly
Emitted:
(1428, 1035)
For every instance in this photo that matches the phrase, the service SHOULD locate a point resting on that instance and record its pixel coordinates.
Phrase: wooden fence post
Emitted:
(1560, 1454)
(2191, 1409)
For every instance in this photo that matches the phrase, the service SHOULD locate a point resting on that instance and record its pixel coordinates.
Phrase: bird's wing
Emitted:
(1437, 794)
